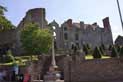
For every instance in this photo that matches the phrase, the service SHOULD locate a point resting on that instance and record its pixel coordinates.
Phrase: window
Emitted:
(76, 36)
(65, 28)
(77, 29)
(54, 27)
(65, 36)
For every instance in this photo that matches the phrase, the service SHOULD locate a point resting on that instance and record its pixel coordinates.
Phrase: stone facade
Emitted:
(39, 68)
(79, 33)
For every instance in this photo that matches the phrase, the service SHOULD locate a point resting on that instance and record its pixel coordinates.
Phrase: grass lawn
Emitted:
(91, 57)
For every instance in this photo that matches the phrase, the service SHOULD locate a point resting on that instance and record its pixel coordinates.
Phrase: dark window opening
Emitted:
(65, 36)
(65, 28)
(76, 37)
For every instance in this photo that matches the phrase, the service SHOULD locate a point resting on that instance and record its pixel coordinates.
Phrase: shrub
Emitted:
(85, 49)
(96, 53)
(114, 52)
(103, 46)
(110, 48)
(121, 51)
(118, 48)
(8, 57)
(101, 50)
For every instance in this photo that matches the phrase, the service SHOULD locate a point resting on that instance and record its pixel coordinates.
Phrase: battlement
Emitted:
(82, 25)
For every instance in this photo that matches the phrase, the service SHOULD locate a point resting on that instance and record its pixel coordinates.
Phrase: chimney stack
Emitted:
(69, 22)
(95, 24)
(106, 23)
(81, 24)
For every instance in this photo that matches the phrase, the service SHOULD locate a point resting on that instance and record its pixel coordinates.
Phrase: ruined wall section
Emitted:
(106, 32)
(36, 16)
(93, 34)
(96, 70)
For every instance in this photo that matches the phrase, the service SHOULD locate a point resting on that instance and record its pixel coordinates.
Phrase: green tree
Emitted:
(85, 49)
(96, 53)
(35, 40)
(5, 24)
(2, 10)
(121, 51)
(114, 52)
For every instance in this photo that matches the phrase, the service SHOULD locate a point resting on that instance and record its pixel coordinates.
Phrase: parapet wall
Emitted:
(104, 70)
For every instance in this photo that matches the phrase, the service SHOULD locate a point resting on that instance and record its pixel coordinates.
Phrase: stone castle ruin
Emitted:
(68, 34)
(79, 34)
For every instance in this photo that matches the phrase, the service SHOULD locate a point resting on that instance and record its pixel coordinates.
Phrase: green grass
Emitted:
(21, 60)
(91, 57)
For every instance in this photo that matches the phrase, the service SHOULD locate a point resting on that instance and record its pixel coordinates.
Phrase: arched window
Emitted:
(54, 27)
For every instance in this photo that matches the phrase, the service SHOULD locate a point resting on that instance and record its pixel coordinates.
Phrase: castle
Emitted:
(79, 34)
(67, 34)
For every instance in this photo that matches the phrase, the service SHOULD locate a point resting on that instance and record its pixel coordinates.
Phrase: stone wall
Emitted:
(81, 33)
(104, 70)
(7, 37)
(39, 68)
(80, 70)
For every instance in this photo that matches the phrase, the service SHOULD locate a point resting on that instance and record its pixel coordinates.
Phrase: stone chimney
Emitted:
(95, 24)
(106, 23)
(82, 24)
(69, 22)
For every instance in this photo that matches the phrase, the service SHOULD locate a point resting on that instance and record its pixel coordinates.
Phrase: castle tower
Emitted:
(106, 24)
(107, 33)
(36, 16)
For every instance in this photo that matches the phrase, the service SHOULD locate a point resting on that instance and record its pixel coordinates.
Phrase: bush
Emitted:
(96, 53)
(6, 58)
(110, 48)
(118, 48)
(103, 46)
(85, 49)
(121, 51)
(101, 50)
(114, 52)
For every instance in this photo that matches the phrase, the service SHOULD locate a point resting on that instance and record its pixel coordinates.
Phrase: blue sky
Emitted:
(88, 11)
